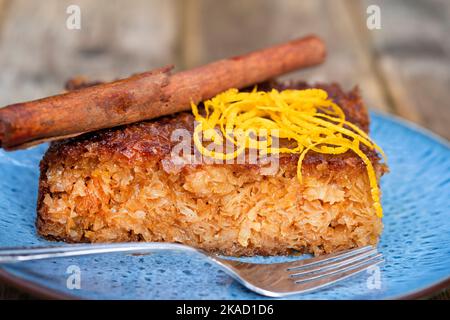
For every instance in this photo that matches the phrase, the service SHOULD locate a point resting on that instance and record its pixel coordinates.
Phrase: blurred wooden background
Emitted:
(402, 68)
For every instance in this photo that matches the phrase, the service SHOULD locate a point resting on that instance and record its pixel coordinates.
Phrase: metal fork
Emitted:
(272, 280)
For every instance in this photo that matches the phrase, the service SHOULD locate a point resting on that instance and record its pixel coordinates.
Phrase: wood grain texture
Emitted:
(117, 38)
(412, 52)
(218, 29)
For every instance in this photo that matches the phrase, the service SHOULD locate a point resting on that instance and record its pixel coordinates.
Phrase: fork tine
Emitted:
(272, 280)
(299, 264)
(303, 287)
(344, 269)
(332, 264)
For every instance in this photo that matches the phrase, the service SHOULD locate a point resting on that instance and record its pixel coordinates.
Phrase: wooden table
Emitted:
(402, 68)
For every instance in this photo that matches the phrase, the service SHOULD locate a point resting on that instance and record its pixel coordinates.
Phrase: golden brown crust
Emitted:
(143, 147)
(151, 139)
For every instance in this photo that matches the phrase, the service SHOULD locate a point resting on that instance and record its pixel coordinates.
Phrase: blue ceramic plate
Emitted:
(415, 241)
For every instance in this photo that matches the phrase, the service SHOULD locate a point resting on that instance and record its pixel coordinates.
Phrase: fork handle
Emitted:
(17, 254)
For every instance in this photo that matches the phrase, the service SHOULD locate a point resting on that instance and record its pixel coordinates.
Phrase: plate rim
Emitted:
(29, 287)
(411, 125)
(43, 292)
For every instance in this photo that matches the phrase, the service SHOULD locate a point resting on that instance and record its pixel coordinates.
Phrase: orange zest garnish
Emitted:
(307, 117)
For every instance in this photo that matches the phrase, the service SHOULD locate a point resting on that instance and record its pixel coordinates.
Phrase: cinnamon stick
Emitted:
(148, 95)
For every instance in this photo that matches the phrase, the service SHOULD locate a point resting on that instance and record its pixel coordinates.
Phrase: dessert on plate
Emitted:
(121, 184)
(219, 157)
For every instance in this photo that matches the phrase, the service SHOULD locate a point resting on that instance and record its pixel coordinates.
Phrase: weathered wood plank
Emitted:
(413, 54)
(219, 29)
(117, 38)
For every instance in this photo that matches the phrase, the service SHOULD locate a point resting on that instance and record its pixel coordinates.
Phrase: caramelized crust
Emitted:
(120, 185)
(151, 139)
